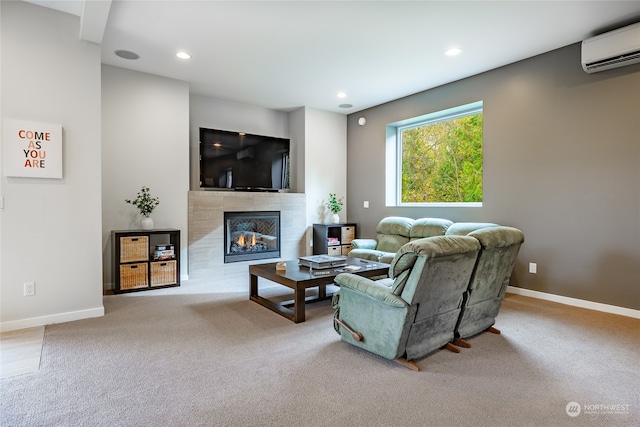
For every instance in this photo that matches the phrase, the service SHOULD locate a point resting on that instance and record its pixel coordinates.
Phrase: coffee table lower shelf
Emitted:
(296, 314)
(299, 279)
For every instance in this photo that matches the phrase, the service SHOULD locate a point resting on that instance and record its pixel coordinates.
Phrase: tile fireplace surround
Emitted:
(206, 228)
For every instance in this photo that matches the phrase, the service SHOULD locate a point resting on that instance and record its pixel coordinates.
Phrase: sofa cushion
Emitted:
(364, 243)
(429, 227)
(464, 228)
(498, 237)
(403, 261)
(398, 283)
(395, 225)
(430, 247)
(393, 232)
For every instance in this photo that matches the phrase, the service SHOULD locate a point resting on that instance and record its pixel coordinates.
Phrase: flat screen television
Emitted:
(243, 162)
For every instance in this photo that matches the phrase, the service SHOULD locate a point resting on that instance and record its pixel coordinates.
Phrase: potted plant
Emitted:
(335, 206)
(146, 204)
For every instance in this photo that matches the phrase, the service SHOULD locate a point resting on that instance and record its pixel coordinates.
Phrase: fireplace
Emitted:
(251, 235)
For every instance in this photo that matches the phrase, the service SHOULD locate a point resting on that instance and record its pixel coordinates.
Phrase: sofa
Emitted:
(394, 231)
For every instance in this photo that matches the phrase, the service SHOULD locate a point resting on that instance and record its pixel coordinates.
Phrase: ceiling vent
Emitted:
(614, 49)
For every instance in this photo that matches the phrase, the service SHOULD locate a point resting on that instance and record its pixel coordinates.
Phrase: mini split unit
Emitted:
(614, 49)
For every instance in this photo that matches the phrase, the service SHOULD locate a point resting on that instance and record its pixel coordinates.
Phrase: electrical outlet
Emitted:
(533, 268)
(29, 289)
(366, 204)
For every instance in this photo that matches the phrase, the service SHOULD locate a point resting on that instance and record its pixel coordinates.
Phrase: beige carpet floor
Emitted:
(204, 355)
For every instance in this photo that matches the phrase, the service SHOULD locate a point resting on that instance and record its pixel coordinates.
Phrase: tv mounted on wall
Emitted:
(243, 162)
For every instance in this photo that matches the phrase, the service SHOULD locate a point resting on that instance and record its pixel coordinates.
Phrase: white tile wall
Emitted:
(206, 228)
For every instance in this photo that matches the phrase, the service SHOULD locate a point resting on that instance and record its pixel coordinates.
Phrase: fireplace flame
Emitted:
(242, 241)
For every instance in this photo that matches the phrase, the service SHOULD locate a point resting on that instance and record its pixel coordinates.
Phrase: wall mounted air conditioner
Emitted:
(614, 49)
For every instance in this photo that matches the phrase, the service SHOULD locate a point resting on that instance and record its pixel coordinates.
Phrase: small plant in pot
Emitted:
(335, 206)
(146, 204)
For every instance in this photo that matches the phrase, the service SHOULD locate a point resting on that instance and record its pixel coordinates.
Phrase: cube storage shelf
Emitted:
(134, 266)
(333, 239)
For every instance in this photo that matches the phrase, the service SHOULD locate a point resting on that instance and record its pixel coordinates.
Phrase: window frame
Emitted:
(393, 154)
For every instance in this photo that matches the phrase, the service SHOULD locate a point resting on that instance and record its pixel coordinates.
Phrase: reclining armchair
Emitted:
(482, 300)
(415, 311)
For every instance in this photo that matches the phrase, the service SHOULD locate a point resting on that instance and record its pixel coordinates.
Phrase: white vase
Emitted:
(147, 223)
(335, 218)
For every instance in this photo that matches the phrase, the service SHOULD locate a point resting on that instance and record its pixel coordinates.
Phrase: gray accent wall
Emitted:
(561, 163)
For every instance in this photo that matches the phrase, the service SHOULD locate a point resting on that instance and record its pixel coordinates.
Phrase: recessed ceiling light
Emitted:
(342, 95)
(126, 54)
(345, 105)
(453, 52)
(217, 144)
(183, 55)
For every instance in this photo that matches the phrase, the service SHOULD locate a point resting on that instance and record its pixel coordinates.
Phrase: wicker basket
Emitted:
(134, 276)
(163, 273)
(334, 250)
(347, 235)
(134, 248)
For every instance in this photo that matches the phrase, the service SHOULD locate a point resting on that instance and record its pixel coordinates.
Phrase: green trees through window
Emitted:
(441, 160)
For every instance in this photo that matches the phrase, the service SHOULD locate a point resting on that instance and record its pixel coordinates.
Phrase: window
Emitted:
(436, 159)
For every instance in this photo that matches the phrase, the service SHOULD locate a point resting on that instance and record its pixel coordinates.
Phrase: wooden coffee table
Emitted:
(301, 278)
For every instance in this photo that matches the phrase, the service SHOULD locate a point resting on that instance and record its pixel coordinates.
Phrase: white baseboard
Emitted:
(49, 320)
(613, 309)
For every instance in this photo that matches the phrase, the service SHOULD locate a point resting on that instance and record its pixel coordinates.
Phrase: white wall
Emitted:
(51, 228)
(206, 230)
(321, 158)
(145, 142)
(326, 163)
(296, 132)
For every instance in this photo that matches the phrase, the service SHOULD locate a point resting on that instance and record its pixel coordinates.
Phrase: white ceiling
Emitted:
(288, 54)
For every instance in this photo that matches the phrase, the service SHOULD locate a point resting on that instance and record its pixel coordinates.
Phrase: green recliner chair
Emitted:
(482, 300)
(415, 311)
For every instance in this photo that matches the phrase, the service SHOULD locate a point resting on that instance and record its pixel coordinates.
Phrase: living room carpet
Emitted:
(204, 355)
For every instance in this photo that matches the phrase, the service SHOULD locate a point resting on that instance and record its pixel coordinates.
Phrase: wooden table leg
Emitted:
(253, 285)
(298, 305)
(322, 292)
